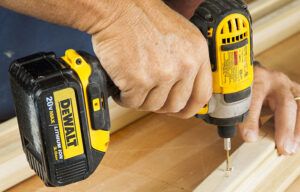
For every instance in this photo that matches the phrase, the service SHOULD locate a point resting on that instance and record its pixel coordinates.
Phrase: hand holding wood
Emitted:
(276, 91)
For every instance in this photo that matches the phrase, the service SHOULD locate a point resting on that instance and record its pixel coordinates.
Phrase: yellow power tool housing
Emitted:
(62, 111)
(226, 25)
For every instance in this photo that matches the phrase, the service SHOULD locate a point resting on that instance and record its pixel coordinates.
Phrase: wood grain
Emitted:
(276, 27)
(14, 166)
(260, 8)
(257, 168)
(160, 153)
(247, 160)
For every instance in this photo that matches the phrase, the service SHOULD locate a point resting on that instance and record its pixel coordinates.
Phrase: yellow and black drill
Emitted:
(61, 102)
(226, 25)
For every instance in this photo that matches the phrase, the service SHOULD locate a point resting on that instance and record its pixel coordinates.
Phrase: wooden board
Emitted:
(160, 153)
(14, 166)
(260, 8)
(257, 167)
(276, 27)
(294, 187)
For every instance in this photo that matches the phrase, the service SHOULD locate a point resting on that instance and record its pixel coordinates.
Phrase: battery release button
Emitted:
(96, 108)
(96, 105)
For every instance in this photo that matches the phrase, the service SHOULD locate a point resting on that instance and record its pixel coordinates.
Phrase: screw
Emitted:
(78, 61)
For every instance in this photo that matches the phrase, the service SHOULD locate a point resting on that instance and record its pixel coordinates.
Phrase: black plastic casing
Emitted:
(33, 80)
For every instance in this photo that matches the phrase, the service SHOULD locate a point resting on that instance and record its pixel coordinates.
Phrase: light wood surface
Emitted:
(257, 167)
(276, 27)
(295, 186)
(14, 166)
(160, 153)
(121, 116)
(260, 8)
(247, 167)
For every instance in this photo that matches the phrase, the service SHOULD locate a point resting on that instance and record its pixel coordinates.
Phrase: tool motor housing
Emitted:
(226, 25)
(62, 111)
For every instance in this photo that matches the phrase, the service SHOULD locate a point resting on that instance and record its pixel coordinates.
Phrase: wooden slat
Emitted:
(257, 168)
(14, 166)
(159, 153)
(276, 27)
(260, 8)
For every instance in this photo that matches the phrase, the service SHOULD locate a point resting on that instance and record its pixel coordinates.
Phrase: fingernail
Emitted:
(250, 136)
(290, 147)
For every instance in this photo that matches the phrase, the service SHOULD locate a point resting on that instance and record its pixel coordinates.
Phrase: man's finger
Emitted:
(184, 7)
(177, 97)
(285, 121)
(296, 93)
(297, 127)
(202, 91)
(250, 127)
(156, 98)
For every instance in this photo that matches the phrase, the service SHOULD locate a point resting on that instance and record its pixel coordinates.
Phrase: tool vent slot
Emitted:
(234, 30)
(36, 166)
(71, 172)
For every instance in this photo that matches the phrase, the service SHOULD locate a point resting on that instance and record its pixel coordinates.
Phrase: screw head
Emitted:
(78, 61)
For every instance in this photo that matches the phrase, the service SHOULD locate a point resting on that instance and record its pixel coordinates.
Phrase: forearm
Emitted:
(86, 15)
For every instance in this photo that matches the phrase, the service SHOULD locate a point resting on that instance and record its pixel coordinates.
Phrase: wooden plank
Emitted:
(271, 173)
(14, 166)
(260, 8)
(156, 153)
(282, 175)
(258, 168)
(247, 159)
(295, 186)
(276, 27)
(160, 153)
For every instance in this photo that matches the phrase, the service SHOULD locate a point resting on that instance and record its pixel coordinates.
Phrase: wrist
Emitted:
(94, 16)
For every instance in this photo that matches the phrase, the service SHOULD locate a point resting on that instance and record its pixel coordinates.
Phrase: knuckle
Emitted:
(132, 103)
(188, 68)
(281, 77)
(176, 107)
(166, 75)
(142, 81)
(132, 98)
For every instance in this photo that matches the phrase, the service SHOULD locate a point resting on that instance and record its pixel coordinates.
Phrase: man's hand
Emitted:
(157, 58)
(275, 90)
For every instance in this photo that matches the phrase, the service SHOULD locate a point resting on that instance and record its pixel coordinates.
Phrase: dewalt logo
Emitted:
(68, 122)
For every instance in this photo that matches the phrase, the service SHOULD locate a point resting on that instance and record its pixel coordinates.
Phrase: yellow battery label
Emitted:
(68, 122)
(235, 69)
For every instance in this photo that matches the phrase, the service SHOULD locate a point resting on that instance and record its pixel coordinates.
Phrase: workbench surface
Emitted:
(161, 153)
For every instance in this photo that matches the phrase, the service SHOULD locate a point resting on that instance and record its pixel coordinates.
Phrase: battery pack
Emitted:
(62, 114)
